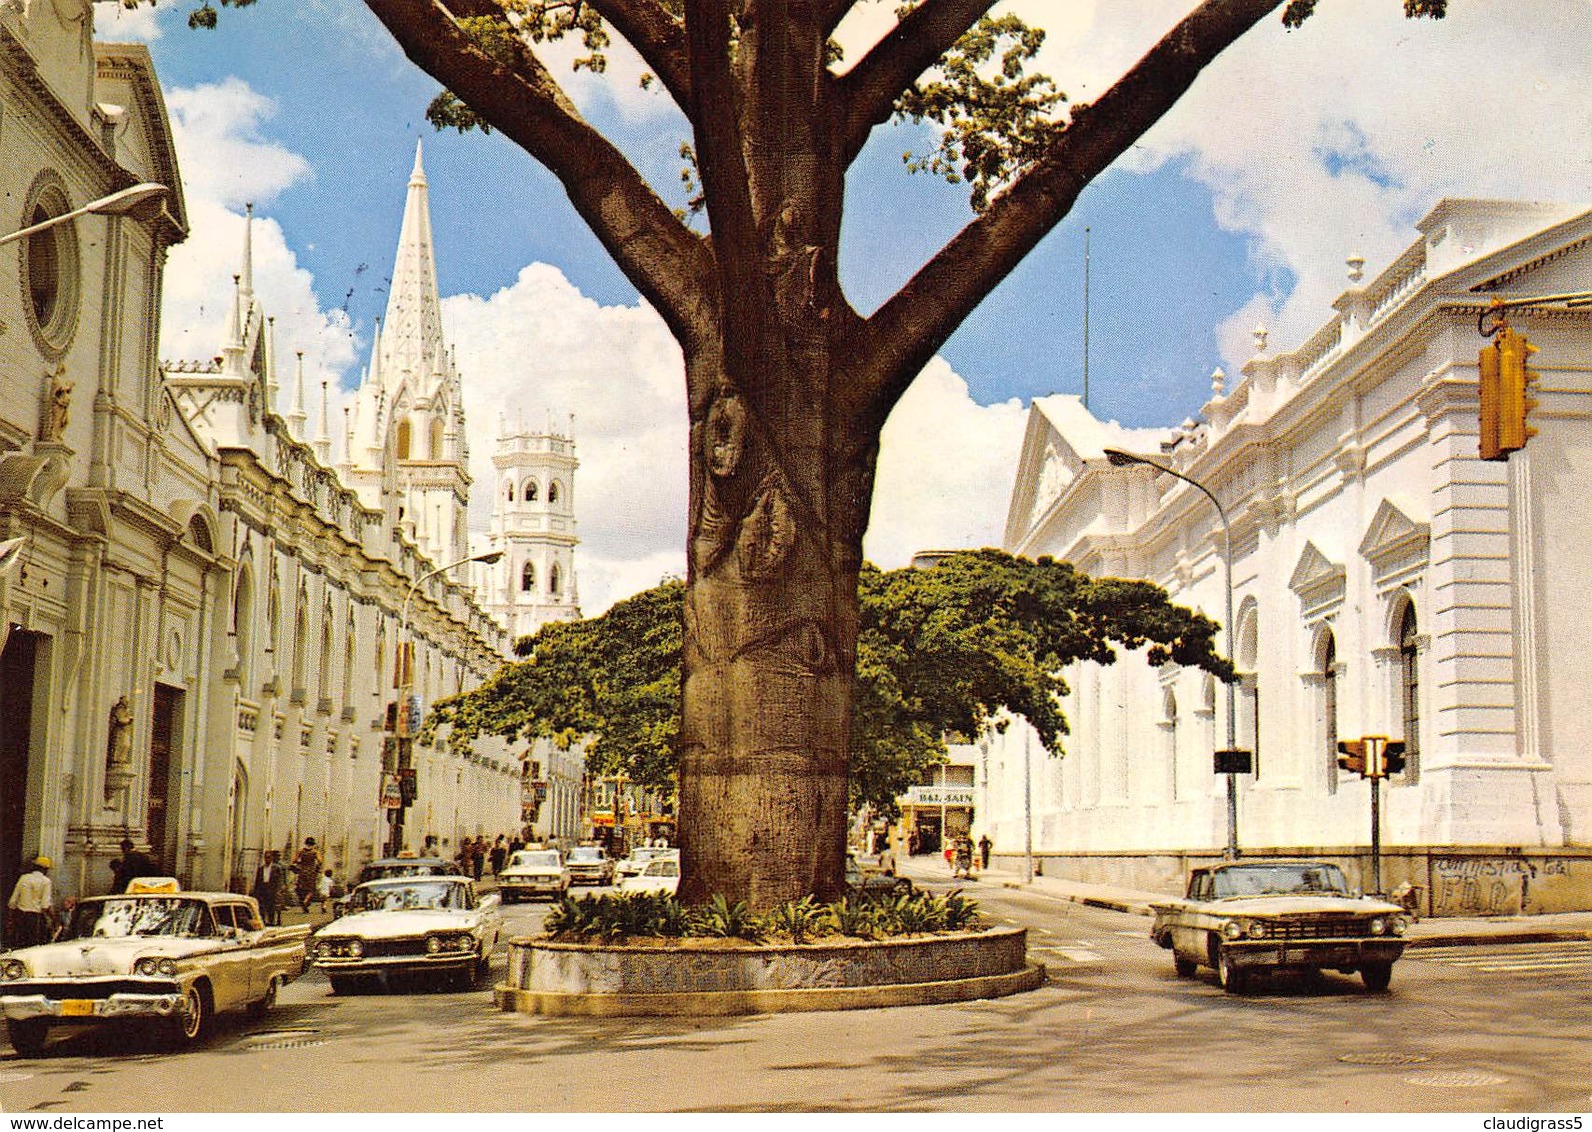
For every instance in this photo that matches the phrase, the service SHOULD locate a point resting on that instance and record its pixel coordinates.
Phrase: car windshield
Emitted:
(121, 917)
(647, 854)
(1275, 879)
(402, 869)
(586, 856)
(664, 868)
(420, 894)
(540, 859)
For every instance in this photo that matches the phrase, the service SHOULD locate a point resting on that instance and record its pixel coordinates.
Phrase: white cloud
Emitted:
(223, 155)
(115, 23)
(945, 472)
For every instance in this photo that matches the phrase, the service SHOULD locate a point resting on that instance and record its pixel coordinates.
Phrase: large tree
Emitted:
(953, 649)
(789, 385)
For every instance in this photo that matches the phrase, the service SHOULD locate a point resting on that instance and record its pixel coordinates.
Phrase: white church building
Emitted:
(1385, 581)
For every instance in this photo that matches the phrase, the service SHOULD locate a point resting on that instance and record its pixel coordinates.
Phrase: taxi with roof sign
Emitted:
(438, 927)
(154, 952)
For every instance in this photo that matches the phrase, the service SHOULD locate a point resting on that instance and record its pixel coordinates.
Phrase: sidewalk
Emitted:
(1446, 931)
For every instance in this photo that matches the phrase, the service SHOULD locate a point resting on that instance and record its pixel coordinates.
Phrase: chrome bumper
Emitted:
(370, 965)
(26, 1006)
(1312, 953)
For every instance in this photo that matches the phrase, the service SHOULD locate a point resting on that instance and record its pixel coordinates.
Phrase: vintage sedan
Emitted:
(178, 958)
(661, 874)
(438, 927)
(533, 872)
(589, 864)
(639, 856)
(1246, 918)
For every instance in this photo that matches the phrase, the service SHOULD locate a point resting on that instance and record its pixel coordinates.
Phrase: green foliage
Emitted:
(641, 914)
(941, 650)
(798, 920)
(855, 916)
(996, 119)
(722, 920)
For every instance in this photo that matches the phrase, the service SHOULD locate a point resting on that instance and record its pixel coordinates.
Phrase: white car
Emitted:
(410, 925)
(177, 958)
(533, 872)
(639, 856)
(661, 874)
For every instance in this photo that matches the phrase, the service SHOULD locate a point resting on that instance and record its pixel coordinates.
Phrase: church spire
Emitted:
(412, 332)
(297, 416)
(248, 256)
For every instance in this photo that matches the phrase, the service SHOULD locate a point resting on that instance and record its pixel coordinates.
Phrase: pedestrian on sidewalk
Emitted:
(984, 846)
(500, 852)
(323, 889)
(270, 888)
(950, 854)
(32, 905)
(130, 866)
(307, 865)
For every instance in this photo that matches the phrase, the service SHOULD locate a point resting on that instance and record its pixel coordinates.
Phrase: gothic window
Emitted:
(1248, 691)
(404, 433)
(1329, 706)
(552, 492)
(436, 440)
(553, 580)
(1410, 693)
(381, 655)
(324, 676)
(527, 578)
(349, 636)
(200, 533)
(243, 624)
(301, 627)
(530, 491)
(511, 491)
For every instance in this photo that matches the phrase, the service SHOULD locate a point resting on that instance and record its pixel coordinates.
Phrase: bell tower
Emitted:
(533, 523)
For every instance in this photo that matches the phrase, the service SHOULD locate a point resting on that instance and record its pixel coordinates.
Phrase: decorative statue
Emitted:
(119, 749)
(54, 430)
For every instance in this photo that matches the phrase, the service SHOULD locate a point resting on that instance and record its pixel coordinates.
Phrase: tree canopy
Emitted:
(946, 650)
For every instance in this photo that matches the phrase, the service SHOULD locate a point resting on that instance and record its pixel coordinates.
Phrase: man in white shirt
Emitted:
(32, 905)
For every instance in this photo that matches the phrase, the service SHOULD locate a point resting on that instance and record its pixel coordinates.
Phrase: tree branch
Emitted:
(669, 265)
(868, 91)
(658, 38)
(904, 334)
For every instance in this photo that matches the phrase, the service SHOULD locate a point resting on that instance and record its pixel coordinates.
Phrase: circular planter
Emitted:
(730, 977)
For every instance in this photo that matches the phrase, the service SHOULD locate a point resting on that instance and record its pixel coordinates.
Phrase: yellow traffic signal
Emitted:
(1515, 402)
(1393, 756)
(1490, 391)
(1351, 755)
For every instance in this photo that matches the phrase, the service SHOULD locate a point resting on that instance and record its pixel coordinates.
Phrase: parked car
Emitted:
(533, 872)
(410, 925)
(860, 882)
(589, 864)
(1247, 918)
(639, 856)
(156, 952)
(661, 874)
(407, 867)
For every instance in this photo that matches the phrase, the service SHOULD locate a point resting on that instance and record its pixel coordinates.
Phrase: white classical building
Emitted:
(1385, 581)
(200, 604)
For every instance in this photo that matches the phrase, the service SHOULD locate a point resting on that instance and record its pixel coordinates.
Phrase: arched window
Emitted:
(530, 491)
(510, 493)
(552, 492)
(527, 578)
(200, 533)
(405, 431)
(301, 628)
(243, 627)
(554, 579)
(324, 676)
(1169, 728)
(1247, 693)
(437, 439)
(381, 655)
(1329, 706)
(349, 636)
(1410, 692)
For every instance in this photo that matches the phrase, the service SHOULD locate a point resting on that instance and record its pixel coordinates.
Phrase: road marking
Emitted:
(1514, 958)
(1076, 954)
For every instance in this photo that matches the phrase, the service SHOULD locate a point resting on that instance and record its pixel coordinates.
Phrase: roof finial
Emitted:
(297, 416)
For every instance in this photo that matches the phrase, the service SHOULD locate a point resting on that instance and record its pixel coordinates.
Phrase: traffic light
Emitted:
(1351, 755)
(1393, 757)
(1489, 389)
(1515, 378)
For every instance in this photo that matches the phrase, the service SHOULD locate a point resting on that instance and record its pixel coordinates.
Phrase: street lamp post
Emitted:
(116, 204)
(1121, 459)
(404, 744)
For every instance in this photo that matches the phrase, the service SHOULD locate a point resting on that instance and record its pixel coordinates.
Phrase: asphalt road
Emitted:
(1469, 1029)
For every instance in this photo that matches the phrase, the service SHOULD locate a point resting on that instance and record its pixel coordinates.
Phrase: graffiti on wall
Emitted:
(1489, 886)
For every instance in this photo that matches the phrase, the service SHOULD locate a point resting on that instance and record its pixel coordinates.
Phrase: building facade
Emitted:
(1384, 581)
(201, 605)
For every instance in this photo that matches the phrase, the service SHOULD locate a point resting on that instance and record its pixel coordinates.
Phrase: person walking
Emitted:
(32, 905)
(307, 865)
(270, 888)
(478, 858)
(130, 866)
(950, 854)
(323, 890)
(500, 852)
(984, 846)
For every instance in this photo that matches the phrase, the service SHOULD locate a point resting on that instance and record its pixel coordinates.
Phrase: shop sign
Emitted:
(940, 796)
(392, 795)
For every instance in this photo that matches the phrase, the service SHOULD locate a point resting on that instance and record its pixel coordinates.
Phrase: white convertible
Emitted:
(176, 957)
(424, 925)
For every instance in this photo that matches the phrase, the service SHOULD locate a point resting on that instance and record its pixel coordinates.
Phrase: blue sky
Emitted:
(1293, 151)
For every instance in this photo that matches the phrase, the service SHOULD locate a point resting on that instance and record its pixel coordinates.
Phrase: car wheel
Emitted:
(1376, 976)
(28, 1036)
(1234, 979)
(193, 1023)
(259, 1008)
(1185, 968)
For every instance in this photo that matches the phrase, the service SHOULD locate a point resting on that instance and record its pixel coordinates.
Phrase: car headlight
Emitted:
(1400, 925)
(1232, 929)
(355, 949)
(1378, 926)
(433, 944)
(13, 969)
(1257, 930)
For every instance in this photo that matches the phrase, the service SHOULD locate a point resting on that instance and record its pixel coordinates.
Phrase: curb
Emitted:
(720, 1003)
